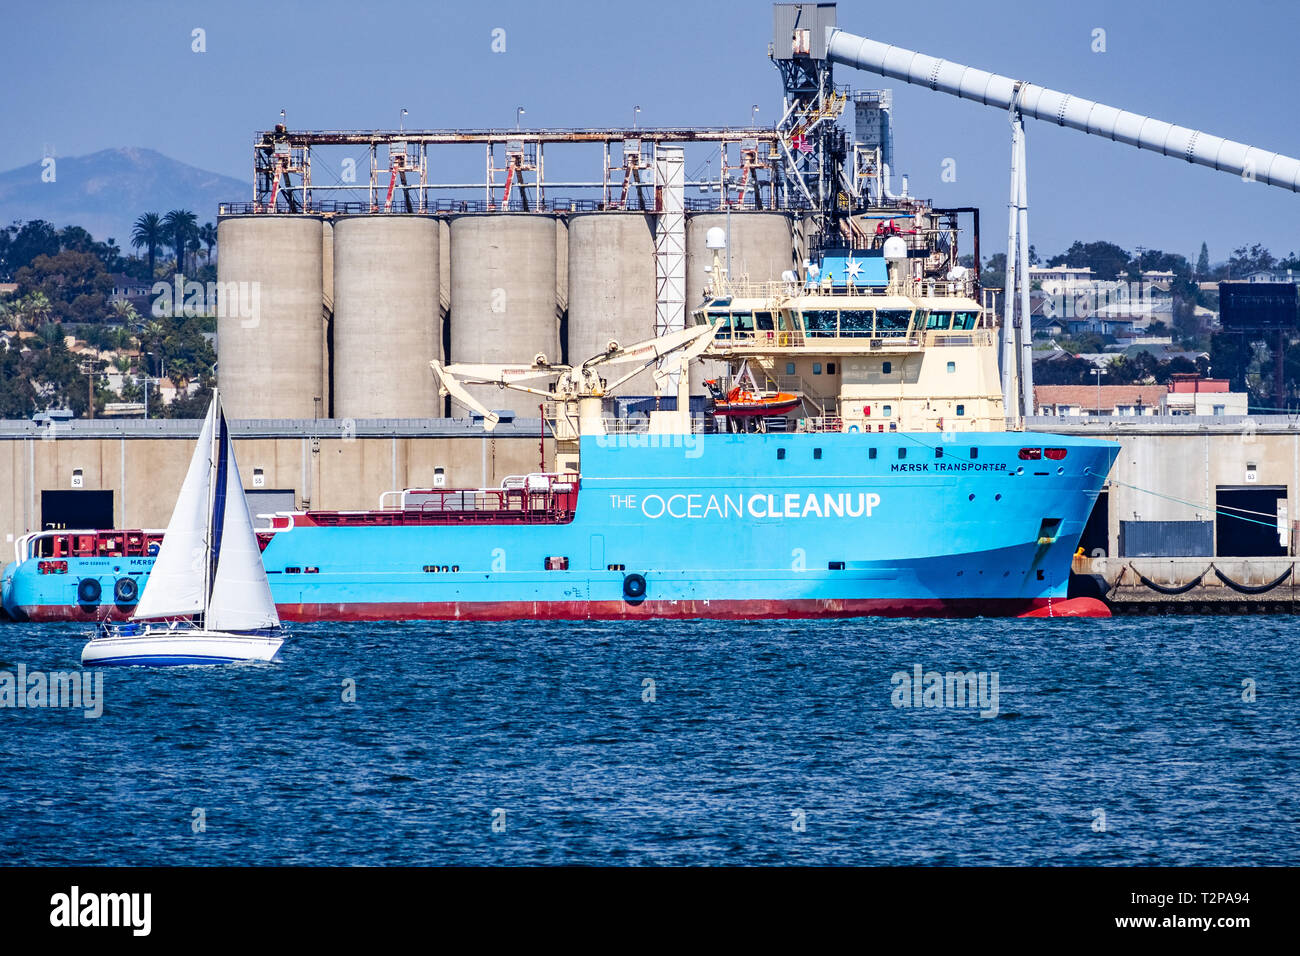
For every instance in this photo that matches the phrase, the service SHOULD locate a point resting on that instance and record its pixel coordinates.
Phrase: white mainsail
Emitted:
(175, 587)
(241, 596)
(211, 525)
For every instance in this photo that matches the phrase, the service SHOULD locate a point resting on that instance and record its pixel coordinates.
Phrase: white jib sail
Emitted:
(241, 596)
(175, 584)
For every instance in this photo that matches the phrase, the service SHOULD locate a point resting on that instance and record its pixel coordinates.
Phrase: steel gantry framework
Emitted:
(402, 165)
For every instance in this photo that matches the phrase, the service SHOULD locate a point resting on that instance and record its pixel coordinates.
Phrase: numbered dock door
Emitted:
(1246, 523)
(598, 552)
(266, 501)
(76, 510)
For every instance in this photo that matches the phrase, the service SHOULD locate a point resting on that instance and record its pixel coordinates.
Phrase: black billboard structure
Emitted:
(1262, 310)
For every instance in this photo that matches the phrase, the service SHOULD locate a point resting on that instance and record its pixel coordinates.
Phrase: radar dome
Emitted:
(895, 248)
(715, 238)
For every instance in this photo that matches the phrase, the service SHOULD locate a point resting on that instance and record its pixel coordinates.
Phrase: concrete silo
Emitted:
(271, 323)
(327, 312)
(611, 287)
(503, 298)
(386, 318)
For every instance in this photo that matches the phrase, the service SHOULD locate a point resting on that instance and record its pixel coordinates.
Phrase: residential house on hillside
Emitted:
(1094, 400)
(1193, 395)
(1186, 395)
(1273, 275)
(135, 291)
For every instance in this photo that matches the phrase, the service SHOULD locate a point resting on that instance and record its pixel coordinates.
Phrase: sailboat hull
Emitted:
(170, 649)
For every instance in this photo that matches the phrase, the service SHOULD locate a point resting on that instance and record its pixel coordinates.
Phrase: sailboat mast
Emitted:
(213, 453)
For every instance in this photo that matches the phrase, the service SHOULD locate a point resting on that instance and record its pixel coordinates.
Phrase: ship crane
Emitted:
(579, 390)
(1020, 99)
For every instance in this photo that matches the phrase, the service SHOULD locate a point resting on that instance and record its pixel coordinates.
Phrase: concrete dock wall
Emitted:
(329, 470)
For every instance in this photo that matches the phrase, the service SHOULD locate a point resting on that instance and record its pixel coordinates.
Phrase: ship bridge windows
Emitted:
(893, 323)
(764, 322)
(820, 323)
(856, 323)
(742, 323)
(938, 320)
(964, 321)
(722, 321)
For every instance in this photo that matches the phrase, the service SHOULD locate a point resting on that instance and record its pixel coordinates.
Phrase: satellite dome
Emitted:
(715, 238)
(895, 248)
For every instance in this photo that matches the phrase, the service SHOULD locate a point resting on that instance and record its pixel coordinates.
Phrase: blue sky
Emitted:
(87, 76)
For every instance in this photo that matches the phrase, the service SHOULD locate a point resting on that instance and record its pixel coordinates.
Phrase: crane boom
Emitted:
(1087, 116)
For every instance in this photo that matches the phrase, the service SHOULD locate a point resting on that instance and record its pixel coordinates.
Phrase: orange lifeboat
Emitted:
(743, 402)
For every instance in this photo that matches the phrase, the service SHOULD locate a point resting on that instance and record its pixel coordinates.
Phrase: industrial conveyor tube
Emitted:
(1063, 109)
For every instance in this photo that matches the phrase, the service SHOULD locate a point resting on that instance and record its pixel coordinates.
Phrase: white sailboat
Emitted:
(207, 599)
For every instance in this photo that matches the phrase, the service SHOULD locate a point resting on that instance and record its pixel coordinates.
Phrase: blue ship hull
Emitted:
(720, 526)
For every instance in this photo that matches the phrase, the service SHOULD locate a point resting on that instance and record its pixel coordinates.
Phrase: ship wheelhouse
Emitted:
(912, 356)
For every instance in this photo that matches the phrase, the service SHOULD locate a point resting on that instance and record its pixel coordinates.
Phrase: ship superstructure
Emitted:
(896, 336)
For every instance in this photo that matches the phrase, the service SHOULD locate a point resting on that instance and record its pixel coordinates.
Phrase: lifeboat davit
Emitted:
(742, 402)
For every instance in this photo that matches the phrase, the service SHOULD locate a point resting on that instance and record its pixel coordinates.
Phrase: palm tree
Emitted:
(148, 231)
(208, 236)
(32, 311)
(124, 312)
(180, 225)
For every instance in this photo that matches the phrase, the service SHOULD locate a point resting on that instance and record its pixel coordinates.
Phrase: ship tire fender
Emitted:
(125, 591)
(634, 587)
(89, 591)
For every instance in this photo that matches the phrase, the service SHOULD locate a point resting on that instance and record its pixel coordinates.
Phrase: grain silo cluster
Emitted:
(352, 307)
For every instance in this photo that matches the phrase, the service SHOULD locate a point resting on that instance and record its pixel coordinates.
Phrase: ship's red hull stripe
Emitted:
(646, 610)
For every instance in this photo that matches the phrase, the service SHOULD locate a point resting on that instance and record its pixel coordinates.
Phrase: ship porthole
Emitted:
(125, 591)
(634, 587)
(89, 591)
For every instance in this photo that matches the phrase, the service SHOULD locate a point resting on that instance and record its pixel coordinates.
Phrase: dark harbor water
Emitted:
(1115, 742)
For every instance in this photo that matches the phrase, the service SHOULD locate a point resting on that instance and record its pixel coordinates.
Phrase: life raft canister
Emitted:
(125, 591)
(89, 591)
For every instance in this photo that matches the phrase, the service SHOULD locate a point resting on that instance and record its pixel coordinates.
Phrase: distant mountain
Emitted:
(104, 192)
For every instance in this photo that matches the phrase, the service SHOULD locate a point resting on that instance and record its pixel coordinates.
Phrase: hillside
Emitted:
(104, 192)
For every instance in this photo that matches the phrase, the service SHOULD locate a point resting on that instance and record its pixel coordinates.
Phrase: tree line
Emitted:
(64, 281)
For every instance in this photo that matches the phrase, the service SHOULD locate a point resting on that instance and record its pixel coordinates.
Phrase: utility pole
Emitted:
(88, 369)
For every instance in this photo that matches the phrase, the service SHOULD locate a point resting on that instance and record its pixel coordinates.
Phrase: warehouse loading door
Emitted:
(1096, 533)
(1246, 522)
(76, 510)
(265, 501)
